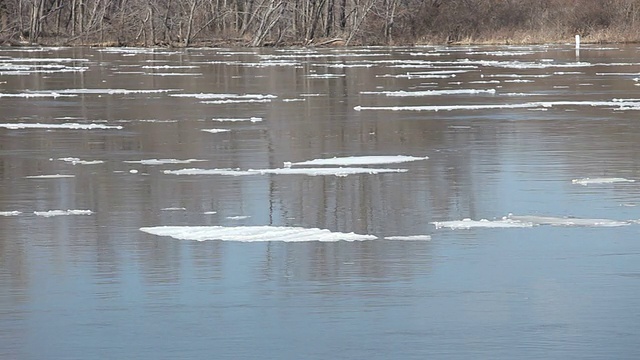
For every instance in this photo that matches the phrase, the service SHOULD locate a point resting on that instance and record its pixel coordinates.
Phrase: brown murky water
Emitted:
(542, 133)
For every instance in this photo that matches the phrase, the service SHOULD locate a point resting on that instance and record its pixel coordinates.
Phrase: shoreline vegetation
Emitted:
(279, 23)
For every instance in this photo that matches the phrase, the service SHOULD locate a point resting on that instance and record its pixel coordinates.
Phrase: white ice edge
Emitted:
(527, 221)
(357, 160)
(594, 181)
(402, 93)
(249, 119)
(51, 213)
(528, 105)
(253, 233)
(162, 161)
(286, 171)
(68, 126)
(216, 96)
(50, 176)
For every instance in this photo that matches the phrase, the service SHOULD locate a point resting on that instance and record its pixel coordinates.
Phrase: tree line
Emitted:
(314, 22)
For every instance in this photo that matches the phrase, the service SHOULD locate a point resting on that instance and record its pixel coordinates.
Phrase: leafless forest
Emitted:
(314, 22)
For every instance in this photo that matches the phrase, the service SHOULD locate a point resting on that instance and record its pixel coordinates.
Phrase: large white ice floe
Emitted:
(216, 96)
(334, 171)
(162, 161)
(253, 233)
(402, 93)
(527, 221)
(603, 180)
(613, 104)
(51, 213)
(97, 91)
(30, 95)
(358, 160)
(67, 126)
(566, 221)
(483, 223)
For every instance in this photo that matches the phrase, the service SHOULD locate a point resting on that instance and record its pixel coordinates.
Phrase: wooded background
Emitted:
(314, 22)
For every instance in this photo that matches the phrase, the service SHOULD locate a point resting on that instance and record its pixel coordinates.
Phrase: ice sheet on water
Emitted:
(50, 176)
(173, 209)
(358, 160)
(114, 91)
(158, 67)
(235, 101)
(218, 96)
(253, 233)
(529, 105)
(238, 217)
(409, 237)
(51, 213)
(252, 119)
(10, 213)
(30, 95)
(483, 223)
(340, 171)
(566, 221)
(162, 161)
(174, 74)
(215, 131)
(325, 76)
(402, 93)
(78, 161)
(69, 126)
(601, 180)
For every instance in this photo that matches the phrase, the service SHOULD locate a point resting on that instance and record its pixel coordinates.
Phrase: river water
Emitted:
(482, 203)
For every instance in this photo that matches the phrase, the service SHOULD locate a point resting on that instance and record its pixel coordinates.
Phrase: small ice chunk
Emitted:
(594, 181)
(253, 233)
(77, 161)
(215, 131)
(51, 213)
(133, 171)
(210, 212)
(174, 209)
(10, 213)
(50, 176)
(238, 217)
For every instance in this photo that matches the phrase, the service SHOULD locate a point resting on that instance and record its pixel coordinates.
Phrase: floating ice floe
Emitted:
(253, 233)
(252, 119)
(174, 74)
(403, 93)
(68, 126)
(50, 176)
(409, 237)
(566, 221)
(286, 171)
(30, 95)
(527, 221)
(112, 91)
(77, 161)
(325, 76)
(238, 217)
(595, 181)
(541, 104)
(173, 209)
(51, 213)
(162, 161)
(483, 223)
(357, 160)
(211, 96)
(215, 131)
(10, 213)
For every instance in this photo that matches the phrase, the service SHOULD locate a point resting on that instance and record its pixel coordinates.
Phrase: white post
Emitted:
(577, 41)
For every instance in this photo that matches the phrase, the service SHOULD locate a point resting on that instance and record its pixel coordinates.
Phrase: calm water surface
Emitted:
(514, 128)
